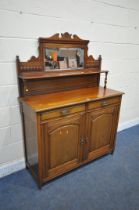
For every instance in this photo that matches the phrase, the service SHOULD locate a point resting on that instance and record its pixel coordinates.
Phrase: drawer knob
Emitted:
(26, 89)
(104, 103)
(65, 111)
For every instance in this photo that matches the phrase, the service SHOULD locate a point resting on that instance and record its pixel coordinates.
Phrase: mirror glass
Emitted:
(64, 58)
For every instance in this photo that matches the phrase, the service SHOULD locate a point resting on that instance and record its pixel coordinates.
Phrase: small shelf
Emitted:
(58, 73)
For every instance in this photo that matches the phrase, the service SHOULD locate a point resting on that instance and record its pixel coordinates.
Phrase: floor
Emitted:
(109, 183)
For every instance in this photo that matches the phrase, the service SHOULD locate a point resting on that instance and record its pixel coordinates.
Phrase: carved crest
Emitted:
(65, 36)
(33, 59)
(90, 58)
(91, 62)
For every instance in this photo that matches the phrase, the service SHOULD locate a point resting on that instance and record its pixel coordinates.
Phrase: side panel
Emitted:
(31, 140)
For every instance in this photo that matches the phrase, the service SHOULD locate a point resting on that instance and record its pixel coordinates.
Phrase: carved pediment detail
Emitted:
(65, 36)
(90, 58)
(91, 62)
(33, 59)
(55, 36)
(75, 37)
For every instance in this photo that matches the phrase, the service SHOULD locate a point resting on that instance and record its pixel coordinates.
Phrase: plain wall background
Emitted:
(111, 26)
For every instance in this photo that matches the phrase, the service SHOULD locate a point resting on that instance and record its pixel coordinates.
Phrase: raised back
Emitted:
(51, 81)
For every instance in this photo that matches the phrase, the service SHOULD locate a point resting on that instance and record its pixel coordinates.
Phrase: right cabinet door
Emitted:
(101, 131)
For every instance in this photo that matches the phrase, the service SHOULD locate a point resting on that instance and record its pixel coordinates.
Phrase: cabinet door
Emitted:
(102, 126)
(62, 148)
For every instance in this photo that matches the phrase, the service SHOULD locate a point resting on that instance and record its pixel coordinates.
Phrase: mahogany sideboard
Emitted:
(68, 118)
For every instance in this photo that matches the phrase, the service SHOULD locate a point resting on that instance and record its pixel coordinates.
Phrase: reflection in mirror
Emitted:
(64, 58)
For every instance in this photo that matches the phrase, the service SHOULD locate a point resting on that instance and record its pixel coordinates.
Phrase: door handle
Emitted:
(65, 111)
(82, 141)
(86, 140)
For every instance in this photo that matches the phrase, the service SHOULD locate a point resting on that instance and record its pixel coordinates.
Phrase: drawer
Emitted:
(62, 112)
(104, 102)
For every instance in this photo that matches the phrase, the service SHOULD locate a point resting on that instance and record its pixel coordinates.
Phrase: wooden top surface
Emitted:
(57, 73)
(66, 98)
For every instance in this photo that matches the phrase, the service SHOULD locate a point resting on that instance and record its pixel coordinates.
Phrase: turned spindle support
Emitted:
(105, 81)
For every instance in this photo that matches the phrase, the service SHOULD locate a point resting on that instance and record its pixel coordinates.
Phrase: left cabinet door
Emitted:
(62, 144)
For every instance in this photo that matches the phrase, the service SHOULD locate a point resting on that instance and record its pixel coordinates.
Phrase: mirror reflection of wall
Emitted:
(64, 58)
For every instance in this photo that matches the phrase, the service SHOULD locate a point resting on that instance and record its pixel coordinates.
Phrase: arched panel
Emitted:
(100, 131)
(63, 143)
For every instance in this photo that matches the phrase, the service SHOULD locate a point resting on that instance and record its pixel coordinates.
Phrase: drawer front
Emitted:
(62, 112)
(104, 102)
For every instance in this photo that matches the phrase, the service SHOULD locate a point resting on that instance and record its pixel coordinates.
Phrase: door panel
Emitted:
(100, 131)
(102, 126)
(61, 144)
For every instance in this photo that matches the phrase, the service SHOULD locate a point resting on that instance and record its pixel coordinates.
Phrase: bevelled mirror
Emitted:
(64, 58)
